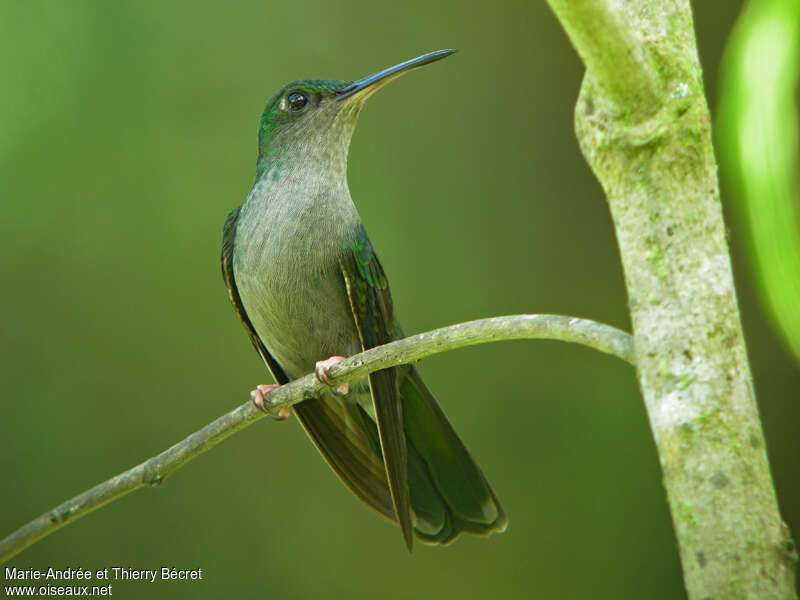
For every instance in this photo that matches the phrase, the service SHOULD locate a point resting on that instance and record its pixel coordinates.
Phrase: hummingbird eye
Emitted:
(297, 101)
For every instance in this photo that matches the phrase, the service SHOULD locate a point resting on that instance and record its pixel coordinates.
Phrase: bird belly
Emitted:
(298, 307)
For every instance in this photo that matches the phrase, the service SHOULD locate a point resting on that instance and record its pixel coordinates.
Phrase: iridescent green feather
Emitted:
(371, 304)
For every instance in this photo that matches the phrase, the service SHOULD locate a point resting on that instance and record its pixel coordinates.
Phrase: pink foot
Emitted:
(322, 370)
(257, 398)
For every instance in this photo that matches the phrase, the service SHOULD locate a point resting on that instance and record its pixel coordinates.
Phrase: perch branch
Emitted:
(151, 472)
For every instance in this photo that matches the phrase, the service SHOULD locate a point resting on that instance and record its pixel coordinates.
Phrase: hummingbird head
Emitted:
(311, 121)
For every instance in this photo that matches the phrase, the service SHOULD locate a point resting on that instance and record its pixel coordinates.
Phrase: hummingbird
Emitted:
(306, 283)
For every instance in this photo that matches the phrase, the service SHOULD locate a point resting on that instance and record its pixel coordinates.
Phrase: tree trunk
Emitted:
(643, 125)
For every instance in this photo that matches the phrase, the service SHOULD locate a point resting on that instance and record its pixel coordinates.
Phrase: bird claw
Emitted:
(322, 371)
(257, 398)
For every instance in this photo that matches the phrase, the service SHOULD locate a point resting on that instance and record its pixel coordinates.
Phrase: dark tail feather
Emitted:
(449, 494)
(393, 445)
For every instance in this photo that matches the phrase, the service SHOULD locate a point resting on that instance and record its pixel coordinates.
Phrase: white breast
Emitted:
(286, 267)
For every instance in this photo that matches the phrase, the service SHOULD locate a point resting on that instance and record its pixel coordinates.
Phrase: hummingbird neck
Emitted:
(301, 173)
(318, 146)
(300, 196)
(311, 158)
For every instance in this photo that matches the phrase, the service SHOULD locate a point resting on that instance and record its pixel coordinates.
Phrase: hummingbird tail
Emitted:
(449, 493)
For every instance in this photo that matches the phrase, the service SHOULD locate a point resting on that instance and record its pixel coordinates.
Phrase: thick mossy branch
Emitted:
(151, 472)
(659, 175)
(612, 51)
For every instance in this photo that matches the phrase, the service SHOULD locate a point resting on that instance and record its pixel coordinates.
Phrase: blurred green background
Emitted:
(127, 132)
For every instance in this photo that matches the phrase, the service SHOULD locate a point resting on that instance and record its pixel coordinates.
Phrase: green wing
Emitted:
(445, 486)
(342, 433)
(371, 303)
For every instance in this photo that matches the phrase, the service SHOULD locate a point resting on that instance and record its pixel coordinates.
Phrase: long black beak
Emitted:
(383, 77)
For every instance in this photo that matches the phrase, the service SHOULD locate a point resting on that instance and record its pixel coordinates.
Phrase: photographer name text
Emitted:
(108, 574)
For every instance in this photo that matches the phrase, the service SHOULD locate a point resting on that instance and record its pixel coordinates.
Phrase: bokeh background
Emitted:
(127, 132)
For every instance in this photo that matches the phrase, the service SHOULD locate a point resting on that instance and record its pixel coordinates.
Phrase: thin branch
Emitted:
(151, 472)
(612, 52)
